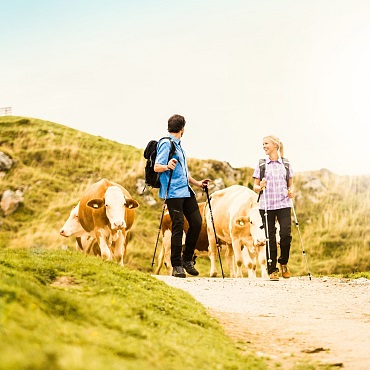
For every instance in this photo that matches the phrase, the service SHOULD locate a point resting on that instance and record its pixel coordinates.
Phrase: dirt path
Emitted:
(288, 321)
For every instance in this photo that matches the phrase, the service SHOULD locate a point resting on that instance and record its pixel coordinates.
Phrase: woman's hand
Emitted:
(263, 183)
(291, 193)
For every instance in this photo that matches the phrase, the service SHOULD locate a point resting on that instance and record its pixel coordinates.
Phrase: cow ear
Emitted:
(131, 203)
(95, 203)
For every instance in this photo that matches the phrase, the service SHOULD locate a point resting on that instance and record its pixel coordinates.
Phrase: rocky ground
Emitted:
(289, 321)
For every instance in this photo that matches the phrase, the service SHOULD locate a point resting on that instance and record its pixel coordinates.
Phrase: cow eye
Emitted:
(262, 227)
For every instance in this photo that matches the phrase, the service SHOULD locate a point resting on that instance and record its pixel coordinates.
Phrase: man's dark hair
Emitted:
(176, 123)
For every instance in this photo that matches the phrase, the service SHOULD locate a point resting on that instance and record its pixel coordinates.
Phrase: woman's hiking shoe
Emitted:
(189, 267)
(285, 273)
(178, 271)
(274, 276)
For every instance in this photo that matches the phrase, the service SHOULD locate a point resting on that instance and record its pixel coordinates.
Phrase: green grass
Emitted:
(60, 309)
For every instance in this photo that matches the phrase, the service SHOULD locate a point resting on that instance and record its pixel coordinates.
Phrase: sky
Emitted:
(237, 70)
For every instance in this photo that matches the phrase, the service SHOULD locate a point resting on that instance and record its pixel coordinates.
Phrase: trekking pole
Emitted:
(205, 187)
(160, 222)
(269, 260)
(300, 238)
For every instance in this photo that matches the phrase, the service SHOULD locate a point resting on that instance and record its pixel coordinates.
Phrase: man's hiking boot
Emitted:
(189, 267)
(178, 271)
(274, 276)
(285, 273)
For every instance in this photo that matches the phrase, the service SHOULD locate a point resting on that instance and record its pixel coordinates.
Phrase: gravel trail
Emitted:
(288, 321)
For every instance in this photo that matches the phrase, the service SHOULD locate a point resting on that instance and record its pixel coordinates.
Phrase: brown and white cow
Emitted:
(107, 212)
(238, 224)
(164, 256)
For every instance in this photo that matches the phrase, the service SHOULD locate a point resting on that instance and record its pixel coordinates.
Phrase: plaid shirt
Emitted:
(276, 191)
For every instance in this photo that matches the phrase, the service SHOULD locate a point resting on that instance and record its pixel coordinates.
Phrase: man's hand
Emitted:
(172, 164)
(205, 183)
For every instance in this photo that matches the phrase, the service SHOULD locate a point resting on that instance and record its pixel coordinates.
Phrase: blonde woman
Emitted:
(274, 177)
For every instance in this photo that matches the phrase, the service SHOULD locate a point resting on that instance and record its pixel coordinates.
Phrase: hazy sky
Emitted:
(237, 71)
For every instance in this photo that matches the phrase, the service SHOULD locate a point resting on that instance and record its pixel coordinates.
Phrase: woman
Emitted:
(277, 189)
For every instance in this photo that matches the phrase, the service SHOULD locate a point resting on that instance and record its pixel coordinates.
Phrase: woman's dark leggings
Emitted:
(283, 216)
(178, 208)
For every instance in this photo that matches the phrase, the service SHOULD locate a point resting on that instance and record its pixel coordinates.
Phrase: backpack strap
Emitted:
(287, 168)
(173, 147)
(170, 155)
(262, 164)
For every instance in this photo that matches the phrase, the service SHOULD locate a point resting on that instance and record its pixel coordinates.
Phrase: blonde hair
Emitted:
(275, 140)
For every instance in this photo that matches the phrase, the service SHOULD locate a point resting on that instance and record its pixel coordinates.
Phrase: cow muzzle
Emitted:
(260, 242)
(118, 225)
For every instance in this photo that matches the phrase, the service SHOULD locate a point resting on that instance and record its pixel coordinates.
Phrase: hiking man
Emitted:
(180, 199)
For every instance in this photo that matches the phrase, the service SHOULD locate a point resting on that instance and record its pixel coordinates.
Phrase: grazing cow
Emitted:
(72, 227)
(106, 212)
(238, 224)
(164, 256)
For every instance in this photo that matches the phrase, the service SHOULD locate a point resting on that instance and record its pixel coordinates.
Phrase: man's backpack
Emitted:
(262, 164)
(150, 154)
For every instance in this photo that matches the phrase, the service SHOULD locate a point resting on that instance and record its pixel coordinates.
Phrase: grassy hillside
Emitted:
(54, 164)
(64, 310)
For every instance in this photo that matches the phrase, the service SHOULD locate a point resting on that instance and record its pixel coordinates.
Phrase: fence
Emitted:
(6, 111)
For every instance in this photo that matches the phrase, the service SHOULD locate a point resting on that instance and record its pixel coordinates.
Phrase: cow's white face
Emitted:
(72, 226)
(115, 205)
(256, 227)
(115, 209)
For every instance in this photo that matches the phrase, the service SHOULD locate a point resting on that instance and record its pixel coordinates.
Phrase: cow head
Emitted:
(72, 227)
(256, 227)
(115, 204)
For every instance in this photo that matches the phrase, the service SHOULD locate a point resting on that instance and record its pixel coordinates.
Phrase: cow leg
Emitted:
(237, 256)
(79, 244)
(239, 268)
(167, 251)
(104, 247)
(262, 261)
(212, 259)
(88, 245)
(249, 261)
(164, 253)
(120, 247)
(229, 255)
(160, 259)
(212, 250)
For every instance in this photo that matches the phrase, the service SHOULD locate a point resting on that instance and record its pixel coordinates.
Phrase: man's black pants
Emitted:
(178, 208)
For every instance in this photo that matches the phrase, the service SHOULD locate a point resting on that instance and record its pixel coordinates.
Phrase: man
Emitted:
(180, 198)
